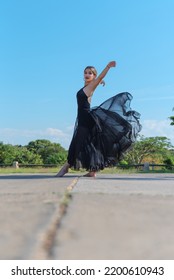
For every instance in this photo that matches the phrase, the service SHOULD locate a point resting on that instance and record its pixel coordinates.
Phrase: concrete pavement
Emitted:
(119, 217)
(30, 213)
(129, 216)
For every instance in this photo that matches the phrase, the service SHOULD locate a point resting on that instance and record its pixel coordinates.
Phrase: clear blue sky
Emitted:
(46, 44)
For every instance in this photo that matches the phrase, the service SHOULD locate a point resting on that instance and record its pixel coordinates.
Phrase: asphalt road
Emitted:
(128, 216)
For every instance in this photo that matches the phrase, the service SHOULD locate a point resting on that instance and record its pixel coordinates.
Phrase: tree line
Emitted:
(156, 150)
(39, 152)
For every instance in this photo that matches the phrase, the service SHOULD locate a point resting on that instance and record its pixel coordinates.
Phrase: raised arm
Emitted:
(89, 89)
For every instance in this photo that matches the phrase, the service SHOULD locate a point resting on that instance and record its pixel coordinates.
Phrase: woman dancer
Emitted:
(102, 134)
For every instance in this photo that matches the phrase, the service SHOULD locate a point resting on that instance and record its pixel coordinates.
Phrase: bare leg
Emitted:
(63, 170)
(90, 174)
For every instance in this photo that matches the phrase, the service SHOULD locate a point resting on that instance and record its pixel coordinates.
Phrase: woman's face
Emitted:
(88, 75)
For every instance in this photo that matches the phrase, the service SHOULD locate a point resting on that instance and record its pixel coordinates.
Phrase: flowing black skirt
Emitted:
(112, 129)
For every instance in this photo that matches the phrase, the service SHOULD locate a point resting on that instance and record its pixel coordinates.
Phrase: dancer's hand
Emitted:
(102, 83)
(111, 64)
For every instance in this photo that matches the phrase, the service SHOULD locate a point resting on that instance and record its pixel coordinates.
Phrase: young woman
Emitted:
(101, 134)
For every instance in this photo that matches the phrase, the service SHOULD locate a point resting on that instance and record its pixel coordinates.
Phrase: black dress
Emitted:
(102, 134)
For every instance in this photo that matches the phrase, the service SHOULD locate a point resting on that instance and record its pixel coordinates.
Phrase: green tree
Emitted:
(148, 146)
(7, 154)
(172, 119)
(10, 153)
(51, 153)
(25, 156)
(58, 158)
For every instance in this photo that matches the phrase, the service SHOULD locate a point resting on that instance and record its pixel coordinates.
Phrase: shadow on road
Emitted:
(147, 177)
(33, 176)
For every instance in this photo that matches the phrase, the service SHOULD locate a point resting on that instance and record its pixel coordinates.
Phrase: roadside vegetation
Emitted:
(43, 156)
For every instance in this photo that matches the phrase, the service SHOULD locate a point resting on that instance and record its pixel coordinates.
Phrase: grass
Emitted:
(9, 170)
(113, 170)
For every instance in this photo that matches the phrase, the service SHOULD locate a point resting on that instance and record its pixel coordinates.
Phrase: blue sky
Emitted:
(46, 44)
